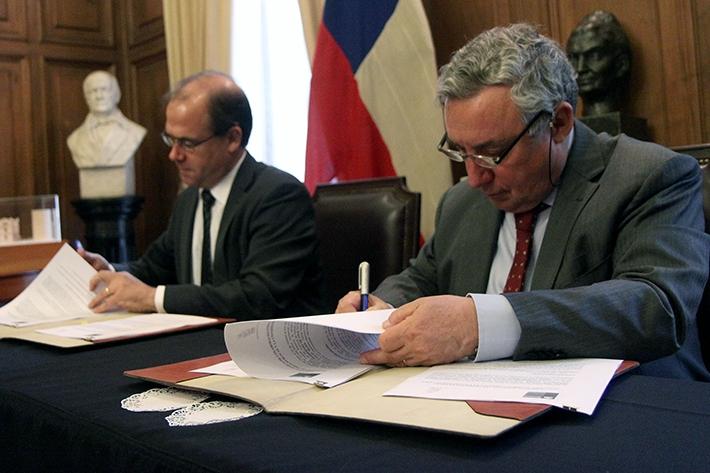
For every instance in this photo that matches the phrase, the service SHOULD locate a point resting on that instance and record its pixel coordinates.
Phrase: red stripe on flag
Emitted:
(343, 140)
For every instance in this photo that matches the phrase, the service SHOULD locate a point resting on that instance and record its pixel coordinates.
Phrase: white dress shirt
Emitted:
(220, 192)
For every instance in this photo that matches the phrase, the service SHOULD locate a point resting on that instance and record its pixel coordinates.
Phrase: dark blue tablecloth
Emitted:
(60, 411)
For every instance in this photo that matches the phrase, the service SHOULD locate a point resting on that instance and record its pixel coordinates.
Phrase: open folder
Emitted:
(359, 399)
(53, 310)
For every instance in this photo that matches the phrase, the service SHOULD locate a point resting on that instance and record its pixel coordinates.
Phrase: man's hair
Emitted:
(227, 106)
(534, 66)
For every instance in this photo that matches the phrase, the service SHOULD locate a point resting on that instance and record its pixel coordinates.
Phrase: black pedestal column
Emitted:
(109, 226)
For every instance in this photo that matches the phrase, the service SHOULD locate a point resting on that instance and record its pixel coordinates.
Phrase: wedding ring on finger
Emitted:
(107, 291)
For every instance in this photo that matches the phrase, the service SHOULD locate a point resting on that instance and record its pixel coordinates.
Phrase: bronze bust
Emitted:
(599, 51)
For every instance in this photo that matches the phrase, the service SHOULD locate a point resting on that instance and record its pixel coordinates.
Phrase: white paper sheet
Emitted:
(226, 368)
(574, 384)
(132, 326)
(321, 349)
(59, 292)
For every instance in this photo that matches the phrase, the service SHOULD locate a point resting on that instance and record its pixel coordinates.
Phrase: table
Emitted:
(60, 411)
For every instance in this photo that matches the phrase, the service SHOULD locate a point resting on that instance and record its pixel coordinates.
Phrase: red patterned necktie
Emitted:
(524, 227)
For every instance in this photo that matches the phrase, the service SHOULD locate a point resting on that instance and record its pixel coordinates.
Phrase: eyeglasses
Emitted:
(480, 159)
(188, 144)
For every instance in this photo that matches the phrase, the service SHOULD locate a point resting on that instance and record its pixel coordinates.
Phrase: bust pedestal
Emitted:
(615, 123)
(109, 225)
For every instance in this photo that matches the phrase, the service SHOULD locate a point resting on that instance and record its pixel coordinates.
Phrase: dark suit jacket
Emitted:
(265, 263)
(621, 268)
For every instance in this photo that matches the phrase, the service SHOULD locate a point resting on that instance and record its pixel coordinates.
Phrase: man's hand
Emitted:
(121, 291)
(350, 302)
(428, 331)
(97, 261)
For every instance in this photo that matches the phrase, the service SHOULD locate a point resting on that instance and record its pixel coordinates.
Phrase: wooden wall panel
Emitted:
(16, 152)
(82, 22)
(66, 110)
(669, 41)
(664, 88)
(701, 16)
(13, 19)
(156, 177)
(145, 21)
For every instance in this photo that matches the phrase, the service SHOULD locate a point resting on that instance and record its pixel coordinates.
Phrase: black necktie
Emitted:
(207, 203)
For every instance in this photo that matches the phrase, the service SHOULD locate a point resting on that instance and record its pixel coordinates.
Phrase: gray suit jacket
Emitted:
(622, 265)
(266, 260)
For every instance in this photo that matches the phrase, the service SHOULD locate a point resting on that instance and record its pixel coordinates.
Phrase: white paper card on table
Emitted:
(573, 384)
(162, 399)
(319, 349)
(59, 292)
(212, 412)
(132, 326)
(226, 368)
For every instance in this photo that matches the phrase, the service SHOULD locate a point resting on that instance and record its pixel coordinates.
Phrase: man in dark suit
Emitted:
(611, 262)
(241, 241)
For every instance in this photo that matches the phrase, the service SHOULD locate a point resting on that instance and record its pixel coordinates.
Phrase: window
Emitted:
(270, 63)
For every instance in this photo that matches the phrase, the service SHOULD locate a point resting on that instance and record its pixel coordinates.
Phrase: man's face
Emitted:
(100, 94)
(594, 62)
(486, 124)
(208, 163)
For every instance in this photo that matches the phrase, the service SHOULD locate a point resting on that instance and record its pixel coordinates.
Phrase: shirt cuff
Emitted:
(159, 298)
(498, 327)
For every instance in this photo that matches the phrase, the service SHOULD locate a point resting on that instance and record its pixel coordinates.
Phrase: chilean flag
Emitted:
(373, 110)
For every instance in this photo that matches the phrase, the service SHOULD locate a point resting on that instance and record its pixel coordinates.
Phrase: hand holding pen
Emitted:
(364, 284)
(361, 299)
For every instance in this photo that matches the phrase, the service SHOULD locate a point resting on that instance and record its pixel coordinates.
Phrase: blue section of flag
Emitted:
(356, 24)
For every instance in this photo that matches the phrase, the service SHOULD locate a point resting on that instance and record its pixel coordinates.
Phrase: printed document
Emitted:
(320, 349)
(573, 384)
(59, 292)
(132, 326)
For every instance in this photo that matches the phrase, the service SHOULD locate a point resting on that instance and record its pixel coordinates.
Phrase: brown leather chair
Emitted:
(373, 220)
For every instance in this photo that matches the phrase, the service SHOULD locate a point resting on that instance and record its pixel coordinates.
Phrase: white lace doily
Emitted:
(162, 399)
(212, 412)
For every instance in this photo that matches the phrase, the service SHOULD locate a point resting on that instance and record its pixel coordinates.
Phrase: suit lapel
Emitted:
(481, 225)
(242, 181)
(490, 219)
(184, 239)
(579, 182)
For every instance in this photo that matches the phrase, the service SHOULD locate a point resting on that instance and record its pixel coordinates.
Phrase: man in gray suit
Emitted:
(241, 241)
(618, 258)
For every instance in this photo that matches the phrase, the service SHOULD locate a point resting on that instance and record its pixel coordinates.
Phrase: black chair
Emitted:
(368, 220)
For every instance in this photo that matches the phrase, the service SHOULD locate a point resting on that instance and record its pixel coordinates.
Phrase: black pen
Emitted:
(364, 284)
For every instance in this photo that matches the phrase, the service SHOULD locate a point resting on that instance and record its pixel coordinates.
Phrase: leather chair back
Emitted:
(373, 220)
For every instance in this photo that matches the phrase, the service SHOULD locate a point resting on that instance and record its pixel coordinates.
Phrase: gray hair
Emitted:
(534, 66)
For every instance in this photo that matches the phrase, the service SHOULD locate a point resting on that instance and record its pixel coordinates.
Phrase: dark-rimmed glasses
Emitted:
(481, 159)
(188, 144)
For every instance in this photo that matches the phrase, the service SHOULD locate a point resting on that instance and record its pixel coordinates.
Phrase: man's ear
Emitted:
(235, 138)
(562, 122)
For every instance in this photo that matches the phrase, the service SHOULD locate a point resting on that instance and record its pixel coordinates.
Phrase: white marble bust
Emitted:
(104, 145)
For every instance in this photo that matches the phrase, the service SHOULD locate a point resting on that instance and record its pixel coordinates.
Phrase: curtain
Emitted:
(311, 14)
(197, 36)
